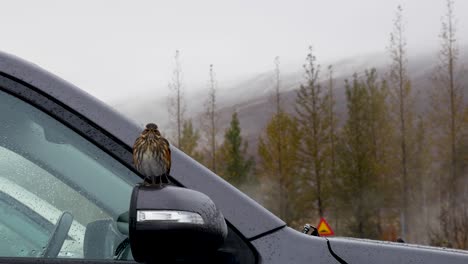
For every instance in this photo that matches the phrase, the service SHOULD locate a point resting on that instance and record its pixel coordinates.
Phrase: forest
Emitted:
(384, 170)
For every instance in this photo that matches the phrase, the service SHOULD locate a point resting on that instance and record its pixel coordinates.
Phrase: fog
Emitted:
(116, 49)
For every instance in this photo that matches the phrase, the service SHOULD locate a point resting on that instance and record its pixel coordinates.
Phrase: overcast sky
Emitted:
(114, 48)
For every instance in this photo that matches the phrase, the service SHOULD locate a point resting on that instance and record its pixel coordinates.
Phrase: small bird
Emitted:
(152, 155)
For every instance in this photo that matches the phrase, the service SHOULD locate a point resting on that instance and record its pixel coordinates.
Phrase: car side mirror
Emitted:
(171, 222)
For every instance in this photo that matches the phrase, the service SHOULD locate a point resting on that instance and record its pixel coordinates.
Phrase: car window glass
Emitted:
(47, 169)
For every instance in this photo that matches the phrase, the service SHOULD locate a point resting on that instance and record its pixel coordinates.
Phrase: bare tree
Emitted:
(400, 91)
(211, 118)
(277, 85)
(447, 118)
(176, 106)
(332, 137)
(445, 77)
(332, 120)
(279, 123)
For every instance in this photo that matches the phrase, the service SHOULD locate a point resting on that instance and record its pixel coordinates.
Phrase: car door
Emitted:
(64, 182)
(51, 171)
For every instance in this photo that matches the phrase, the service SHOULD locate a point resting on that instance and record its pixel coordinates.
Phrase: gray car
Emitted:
(65, 157)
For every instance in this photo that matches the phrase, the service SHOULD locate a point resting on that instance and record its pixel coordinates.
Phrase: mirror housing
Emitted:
(171, 222)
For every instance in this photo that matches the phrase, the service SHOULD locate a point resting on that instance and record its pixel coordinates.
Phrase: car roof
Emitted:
(246, 215)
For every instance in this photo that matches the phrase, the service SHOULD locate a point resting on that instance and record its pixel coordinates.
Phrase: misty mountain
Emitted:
(253, 97)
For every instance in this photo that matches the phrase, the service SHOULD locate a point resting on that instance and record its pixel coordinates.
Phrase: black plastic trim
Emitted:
(266, 233)
(245, 240)
(340, 260)
(9, 260)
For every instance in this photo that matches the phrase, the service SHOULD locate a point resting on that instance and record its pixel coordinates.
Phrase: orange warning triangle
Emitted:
(324, 229)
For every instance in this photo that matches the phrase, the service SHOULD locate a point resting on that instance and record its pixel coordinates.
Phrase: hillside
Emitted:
(252, 97)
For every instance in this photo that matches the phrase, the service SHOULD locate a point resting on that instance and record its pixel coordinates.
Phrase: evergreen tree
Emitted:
(382, 147)
(312, 108)
(235, 164)
(362, 155)
(423, 184)
(281, 182)
(189, 139)
(278, 169)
